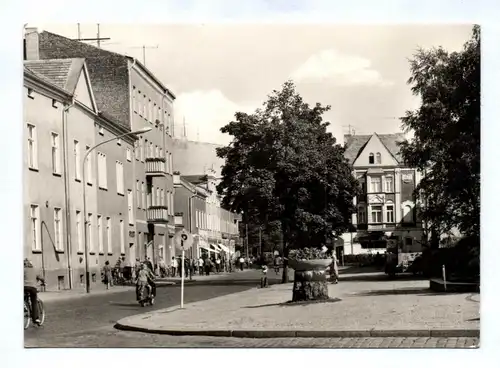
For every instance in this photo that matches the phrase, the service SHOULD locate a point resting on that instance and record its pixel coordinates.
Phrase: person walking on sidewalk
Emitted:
(242, 262)
(334, 269)
(208, 266)
(173, 264)
(263, 278)
(107, 275)
(217, 265)
(200, 266)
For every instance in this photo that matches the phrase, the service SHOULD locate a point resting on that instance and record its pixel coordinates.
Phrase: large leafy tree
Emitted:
(282, 165)
(446, 143)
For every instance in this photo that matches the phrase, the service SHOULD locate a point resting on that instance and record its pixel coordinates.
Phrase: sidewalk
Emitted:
(366, 308)
(80, 292)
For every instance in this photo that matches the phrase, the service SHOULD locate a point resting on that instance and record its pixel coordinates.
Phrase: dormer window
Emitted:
(371, 159)
(379, 158)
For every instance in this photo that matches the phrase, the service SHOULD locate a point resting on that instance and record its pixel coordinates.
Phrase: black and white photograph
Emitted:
(251, 185)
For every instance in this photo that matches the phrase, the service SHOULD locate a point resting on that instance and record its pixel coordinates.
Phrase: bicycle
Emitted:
(28, 310)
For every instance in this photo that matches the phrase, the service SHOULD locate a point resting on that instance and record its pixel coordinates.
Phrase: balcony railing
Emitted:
(156, 166)
(157, 214)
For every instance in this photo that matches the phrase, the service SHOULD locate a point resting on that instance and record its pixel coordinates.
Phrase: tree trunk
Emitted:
(284, 277)
(310, 285)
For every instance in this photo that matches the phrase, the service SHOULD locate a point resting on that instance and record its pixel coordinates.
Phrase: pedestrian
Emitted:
(217, 265)
(173, 264)
(137, 268)
(180, 267)
(334, 269)
(30, 283)
(242, 261)
(208, 266)
(200, 265)
(187, 267)
(107, 277)
(149, 264)
(263, 278)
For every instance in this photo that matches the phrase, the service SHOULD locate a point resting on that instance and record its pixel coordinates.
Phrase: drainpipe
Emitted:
(66, 189)
(134, 191)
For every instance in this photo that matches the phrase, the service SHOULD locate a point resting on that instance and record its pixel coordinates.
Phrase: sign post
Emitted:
(183, 240)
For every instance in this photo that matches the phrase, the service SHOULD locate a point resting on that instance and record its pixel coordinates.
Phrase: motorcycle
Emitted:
(145, 295)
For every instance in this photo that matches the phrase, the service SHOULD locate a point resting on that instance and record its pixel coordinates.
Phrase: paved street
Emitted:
(73, 321)
(109, 338)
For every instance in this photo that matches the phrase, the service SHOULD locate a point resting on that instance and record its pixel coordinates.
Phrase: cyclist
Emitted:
(30, 283)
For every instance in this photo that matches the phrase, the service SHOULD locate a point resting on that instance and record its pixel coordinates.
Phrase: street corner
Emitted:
(144, 322)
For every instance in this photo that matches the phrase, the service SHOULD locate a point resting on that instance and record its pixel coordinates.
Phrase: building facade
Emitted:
(387, 208)
(61, 122)
(130, 95)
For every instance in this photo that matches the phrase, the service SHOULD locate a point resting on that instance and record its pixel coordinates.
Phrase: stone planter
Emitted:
(310, 282)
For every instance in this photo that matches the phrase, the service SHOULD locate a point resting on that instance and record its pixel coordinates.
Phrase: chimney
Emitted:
(31, 44)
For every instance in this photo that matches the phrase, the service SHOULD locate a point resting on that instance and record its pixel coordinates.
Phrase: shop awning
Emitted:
(214, 248)
(223, 248)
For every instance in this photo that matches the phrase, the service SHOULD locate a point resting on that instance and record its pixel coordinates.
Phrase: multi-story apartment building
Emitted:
(190, 206)
(129, 94)
(387, 207)
(61, 120)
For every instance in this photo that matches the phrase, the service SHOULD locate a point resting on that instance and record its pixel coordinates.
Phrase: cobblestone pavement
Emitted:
(109, 338)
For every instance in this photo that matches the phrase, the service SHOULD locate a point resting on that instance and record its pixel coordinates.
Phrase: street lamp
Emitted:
(87, 272)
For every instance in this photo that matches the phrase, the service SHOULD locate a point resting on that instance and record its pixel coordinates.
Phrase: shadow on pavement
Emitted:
(379, 276)
(403, 291)
(294, 304)
(352, 270)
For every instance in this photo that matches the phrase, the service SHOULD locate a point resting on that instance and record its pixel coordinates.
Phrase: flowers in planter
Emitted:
(307, 254)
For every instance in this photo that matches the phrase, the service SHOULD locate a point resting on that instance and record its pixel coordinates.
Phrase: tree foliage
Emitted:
(446, 129)
(283, 166)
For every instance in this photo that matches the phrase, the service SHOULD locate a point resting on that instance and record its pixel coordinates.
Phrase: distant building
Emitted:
(193, 158)
(387, 207)
(61, 120)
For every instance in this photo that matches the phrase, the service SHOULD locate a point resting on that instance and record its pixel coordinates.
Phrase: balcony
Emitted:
(157, 214)
(156, 166)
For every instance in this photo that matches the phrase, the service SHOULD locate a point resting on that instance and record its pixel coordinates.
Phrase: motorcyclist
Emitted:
(145, 279)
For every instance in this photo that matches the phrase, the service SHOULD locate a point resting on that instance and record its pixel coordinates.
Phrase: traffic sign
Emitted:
(183, 240)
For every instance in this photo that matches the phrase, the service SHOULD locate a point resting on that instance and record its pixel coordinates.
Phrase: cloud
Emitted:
(340, 69)
(205, 112)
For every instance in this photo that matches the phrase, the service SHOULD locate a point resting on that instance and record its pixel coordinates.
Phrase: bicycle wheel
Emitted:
(41, 311)
(27, 316)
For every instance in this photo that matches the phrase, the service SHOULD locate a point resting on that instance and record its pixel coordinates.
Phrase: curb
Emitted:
(297, 334)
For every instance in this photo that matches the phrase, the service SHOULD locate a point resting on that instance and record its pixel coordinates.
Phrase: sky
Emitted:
(218, 69)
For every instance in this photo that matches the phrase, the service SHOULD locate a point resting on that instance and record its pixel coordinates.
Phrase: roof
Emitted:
(355, 143)
(63, 73)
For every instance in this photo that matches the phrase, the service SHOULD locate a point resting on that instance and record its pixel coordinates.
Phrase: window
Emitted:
(134, 99)
(376, 214)
(144, 106)
(408, 214)
(129, 154)
(143, 195)
(150, 111)
(120, 186)
(151, 150)
(90, 235)
(32, 147)
(375, 184)
(36, 244)
(389, 213)
(56, 160)
(157, 151)
(100, 234)
(101, 130)
(159, 114)
(119, 141)
(162, 197)
(138, 193)
(171, 163)
(76, 154)
(89, 166)
(389, 184)
(158, 198)
(130, 201)
(30, 93)
(101, 170)
(371, 159)
(160, 153)
(197, 219)
(58, 234)
(139, 103)
(146, 148)
(136, 150)
(122, 237)
(109, 235)
(379, 158)
(141, 149)
(361, 215)
(79, 232)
